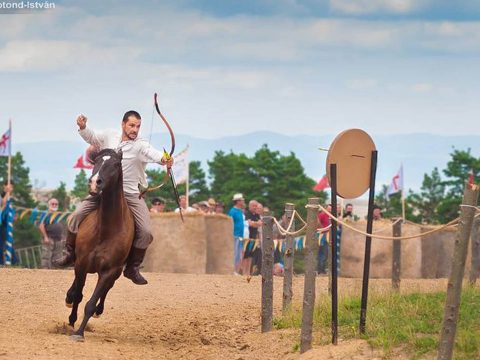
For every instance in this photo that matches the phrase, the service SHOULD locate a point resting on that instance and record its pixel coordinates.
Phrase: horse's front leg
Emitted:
(77, 296)
(105, 283)
(101, 304)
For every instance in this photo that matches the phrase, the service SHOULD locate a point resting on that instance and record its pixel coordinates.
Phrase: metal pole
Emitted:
(333, 241)
(288, 275)
(368, 243)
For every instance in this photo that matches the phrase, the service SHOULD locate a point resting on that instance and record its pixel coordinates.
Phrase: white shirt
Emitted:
(136, 155)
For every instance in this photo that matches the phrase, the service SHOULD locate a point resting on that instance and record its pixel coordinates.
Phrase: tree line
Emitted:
(267, 176)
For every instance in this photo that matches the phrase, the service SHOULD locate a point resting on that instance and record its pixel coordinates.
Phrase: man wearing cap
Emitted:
(236, 213)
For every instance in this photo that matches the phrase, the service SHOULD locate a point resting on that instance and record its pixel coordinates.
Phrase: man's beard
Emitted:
(131, 136)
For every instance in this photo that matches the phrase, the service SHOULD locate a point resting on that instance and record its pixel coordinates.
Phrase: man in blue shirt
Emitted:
(236, 213)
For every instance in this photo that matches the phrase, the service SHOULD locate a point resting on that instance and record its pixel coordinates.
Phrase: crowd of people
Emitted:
(210, 206)
(247, 233)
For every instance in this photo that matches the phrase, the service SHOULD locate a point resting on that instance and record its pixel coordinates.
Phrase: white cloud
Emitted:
(361, 7)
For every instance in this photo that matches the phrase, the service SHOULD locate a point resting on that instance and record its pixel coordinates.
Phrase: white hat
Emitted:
(238, 197)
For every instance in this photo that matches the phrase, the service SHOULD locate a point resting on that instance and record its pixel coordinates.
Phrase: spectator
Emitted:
(52, 236)
(254, 223)
(158, 205)
(348, 213)
(377, 213)
(204, 207)
(212, 205)
(183, 205)
(257, 253)
(236, 213)
(324, 220)
(219, 208)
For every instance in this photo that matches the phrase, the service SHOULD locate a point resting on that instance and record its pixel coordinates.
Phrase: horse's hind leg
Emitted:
(76, 294)
(105, 282)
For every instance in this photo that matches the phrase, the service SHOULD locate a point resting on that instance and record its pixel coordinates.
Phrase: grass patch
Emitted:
(411, 322)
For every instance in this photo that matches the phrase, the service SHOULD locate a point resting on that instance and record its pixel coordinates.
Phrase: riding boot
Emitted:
(132, 270)
(69, 256)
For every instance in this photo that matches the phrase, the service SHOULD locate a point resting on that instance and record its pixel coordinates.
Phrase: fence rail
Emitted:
(30, 257)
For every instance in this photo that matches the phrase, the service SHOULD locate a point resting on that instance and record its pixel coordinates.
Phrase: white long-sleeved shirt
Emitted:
(136, 155)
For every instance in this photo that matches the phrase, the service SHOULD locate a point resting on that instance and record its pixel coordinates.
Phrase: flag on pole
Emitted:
(180, 166)
(6, 144)
(322, 184)
(397, 182)
(10, 258)
(471, 177)
(82, 163)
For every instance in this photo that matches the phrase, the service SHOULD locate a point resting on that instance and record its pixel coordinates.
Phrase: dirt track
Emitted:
(175, 316)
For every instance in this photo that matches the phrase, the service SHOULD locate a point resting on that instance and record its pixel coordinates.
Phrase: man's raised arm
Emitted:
(88, 134)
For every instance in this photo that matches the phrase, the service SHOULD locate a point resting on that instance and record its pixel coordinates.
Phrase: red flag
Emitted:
(471, 177)
(82, 164)
(322, 184)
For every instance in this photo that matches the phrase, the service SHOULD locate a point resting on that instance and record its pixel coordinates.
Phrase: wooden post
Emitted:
(454, 288)
(397, 253)
(310, 276)
(368, 243)
(333, 241)
(475, 265)
(288, 274)
(267, 273)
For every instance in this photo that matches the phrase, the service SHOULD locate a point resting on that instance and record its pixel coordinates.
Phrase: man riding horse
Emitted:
(136, 154)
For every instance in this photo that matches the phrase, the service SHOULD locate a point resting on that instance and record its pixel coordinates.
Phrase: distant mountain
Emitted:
(52, 162)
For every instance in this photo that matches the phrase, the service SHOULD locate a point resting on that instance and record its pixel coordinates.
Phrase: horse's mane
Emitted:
(94, 154)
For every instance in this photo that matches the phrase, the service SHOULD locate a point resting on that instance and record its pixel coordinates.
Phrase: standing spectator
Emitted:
(204, 207)
(183, 205)
(158, 205)
(52, 235)
(348, 213)
(254, 223)
(236, 213)
(219, 208)
(212, 205)
(377, 213)
(324, 220)
(257, 253)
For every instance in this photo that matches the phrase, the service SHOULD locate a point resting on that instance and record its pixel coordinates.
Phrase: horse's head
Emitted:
(107, 170)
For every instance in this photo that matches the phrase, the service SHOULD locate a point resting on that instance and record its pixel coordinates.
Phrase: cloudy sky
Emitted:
(224, 67)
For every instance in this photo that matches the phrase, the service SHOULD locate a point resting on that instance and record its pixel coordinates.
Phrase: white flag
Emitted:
(397, 182)
(180, 166)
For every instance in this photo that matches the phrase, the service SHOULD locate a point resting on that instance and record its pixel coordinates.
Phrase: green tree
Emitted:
(269, 177)
(24, 232)
(80, 189)
(457, 172)
(429, 200)
(198, 187)
(20, 177)
(61, 195)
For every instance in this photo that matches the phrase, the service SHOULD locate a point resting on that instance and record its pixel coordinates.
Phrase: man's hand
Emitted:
(46, 240)
(82, 121)
(167, 161)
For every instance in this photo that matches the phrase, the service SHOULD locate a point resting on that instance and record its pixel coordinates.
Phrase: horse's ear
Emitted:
(120, 153)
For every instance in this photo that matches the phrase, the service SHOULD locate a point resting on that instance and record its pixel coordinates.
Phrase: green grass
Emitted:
(410, 322)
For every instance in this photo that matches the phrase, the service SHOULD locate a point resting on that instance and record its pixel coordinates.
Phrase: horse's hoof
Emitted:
(77, 338)
(68, 305)
(96, 316)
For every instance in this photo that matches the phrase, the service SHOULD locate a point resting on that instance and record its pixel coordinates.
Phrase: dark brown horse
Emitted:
(104, 238)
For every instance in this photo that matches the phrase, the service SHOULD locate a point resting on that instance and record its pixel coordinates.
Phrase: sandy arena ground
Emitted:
(176, 316)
